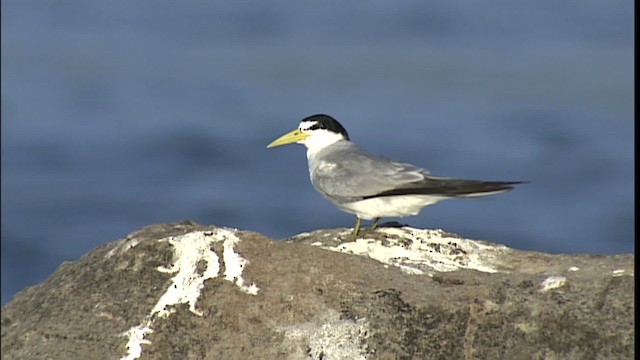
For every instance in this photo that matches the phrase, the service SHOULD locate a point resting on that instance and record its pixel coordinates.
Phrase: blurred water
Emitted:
(117, 115)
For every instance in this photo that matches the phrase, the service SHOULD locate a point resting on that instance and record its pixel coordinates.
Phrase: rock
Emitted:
(187, 291)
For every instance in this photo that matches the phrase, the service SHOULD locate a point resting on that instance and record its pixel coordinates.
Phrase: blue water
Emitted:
(119, 114)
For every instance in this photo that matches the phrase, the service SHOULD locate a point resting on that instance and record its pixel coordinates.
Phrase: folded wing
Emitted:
(348, 173)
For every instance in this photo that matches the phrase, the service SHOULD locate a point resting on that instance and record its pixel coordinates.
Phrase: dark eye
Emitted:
(316, 126)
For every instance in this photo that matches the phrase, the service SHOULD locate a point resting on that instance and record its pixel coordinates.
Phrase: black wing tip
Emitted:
(502, 185)
(510, 184)
(477, 188)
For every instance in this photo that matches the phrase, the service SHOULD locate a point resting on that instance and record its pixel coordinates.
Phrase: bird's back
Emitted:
(345, 172)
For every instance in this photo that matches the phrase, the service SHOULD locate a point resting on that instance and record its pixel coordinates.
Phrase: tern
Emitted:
(371, 186)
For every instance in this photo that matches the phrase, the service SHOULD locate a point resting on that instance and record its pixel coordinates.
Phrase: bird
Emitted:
(372, 186)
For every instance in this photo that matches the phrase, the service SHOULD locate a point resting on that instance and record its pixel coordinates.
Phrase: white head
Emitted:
(315, 133)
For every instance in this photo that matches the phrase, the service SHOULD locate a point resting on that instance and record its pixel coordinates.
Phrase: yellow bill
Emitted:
(288, 138)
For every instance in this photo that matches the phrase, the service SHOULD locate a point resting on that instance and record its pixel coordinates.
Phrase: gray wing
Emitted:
(348, 173)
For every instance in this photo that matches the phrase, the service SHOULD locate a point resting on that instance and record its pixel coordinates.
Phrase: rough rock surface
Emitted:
(187, 291)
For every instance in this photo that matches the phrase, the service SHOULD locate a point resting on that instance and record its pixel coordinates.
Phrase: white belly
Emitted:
(390, 206)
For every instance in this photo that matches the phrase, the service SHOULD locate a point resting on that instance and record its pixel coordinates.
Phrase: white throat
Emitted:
(319, 140)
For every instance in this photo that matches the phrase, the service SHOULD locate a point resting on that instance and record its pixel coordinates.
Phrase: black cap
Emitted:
(328, 123)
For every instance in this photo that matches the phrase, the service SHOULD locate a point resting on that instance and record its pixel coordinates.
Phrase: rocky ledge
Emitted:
(187, 291)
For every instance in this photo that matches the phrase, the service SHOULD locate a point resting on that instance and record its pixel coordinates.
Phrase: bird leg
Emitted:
(356, 228)
(375, 224)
